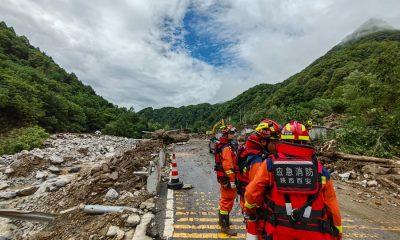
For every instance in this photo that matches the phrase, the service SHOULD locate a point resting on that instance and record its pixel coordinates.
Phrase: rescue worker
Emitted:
(255, 152)
(226, 159)
(294, 191)
(257, 145)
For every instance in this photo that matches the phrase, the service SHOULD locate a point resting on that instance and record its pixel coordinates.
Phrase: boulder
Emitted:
(126, 194)
(62, 181)
(363, 183)
(114, 176)
(133, 220)
(54, 169)
(9, 170)
(74, 169)
(69, 158)
(114, 231)
(41, 174)
(95, 169)
(374, 169)
(112, 194)
(4, 185)
(105, 168)
(372, 183)
(396, 171)
(84, 151)
(24, 152)
(353, 174)
(148, 204)
(8, 195)
(38, 155)
(55, 159)
(345, 176)
(27, 191)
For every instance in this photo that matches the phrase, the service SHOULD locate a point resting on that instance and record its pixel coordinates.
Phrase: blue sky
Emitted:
(161, 53)
(202, 44)
(192, 36)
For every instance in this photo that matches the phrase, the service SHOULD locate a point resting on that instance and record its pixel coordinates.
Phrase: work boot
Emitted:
(225, 226)
(220, 220)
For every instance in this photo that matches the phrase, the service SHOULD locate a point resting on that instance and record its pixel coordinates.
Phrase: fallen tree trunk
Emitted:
(358, 158)
(390, 183)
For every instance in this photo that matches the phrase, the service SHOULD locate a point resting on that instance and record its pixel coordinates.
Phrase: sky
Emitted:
(142, 53)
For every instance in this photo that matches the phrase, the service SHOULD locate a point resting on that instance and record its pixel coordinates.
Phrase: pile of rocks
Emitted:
(136, 224)
(372, 176)
(74, 170)
(64, 154)
(66, 150)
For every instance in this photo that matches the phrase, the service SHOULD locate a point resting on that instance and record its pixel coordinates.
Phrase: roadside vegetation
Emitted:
(22, 139)
(35, 91)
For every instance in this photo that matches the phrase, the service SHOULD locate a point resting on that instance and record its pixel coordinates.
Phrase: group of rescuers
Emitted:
(285, 192)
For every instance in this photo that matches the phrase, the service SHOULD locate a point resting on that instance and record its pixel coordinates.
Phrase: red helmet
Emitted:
(227, 129)
(268, 129)
(295, 131)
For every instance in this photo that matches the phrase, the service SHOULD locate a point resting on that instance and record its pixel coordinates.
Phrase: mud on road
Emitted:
(195, 210)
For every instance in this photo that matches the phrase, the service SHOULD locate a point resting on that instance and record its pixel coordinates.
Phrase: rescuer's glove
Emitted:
(232, 185)
(249, 217)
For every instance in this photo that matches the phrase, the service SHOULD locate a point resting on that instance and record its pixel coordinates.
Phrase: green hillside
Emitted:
(356, 84)
(34, 90)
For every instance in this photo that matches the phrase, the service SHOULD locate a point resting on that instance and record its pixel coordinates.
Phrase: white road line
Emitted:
(170, 194)
(169, 215)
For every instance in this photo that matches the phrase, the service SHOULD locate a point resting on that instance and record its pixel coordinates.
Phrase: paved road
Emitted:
(195, 215)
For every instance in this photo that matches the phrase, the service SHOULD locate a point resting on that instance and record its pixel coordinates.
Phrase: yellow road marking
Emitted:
(179, 213)
(203, 208)
(361, 235)
(207, 220)
(347, 220)
(237, 219)
(202, 227)
(240, 220)
(396, 229)
(205, 235)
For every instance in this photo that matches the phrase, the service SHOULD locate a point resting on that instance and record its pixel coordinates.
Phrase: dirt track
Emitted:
(196, 209)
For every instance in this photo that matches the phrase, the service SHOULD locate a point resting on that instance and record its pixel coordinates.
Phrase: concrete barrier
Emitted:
(154, 172)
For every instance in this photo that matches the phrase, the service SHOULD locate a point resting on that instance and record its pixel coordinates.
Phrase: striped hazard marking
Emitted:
(195, 216)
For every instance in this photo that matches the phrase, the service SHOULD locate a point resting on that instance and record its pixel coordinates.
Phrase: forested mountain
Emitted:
(34, 90)
(356, 84)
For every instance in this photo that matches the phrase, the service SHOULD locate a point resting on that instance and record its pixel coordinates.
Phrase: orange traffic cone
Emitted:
(174, 182)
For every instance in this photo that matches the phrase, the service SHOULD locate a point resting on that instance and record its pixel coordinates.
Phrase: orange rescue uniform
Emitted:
(228, 194)
(253, 154)
(255, 197)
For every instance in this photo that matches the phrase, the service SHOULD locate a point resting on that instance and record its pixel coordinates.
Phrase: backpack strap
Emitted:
(252, 159)
(221, 147)
(269, 164)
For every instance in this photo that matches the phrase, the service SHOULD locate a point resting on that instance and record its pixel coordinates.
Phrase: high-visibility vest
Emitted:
(295, 200)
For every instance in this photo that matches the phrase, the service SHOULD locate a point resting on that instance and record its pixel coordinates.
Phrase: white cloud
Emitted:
(279, 38)
(116, 46)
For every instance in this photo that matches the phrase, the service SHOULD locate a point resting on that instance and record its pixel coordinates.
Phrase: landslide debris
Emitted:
(74, 170)
(170, 136)
(376, 180)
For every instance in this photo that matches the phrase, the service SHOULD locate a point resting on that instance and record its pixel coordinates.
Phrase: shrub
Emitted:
(22, 139)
